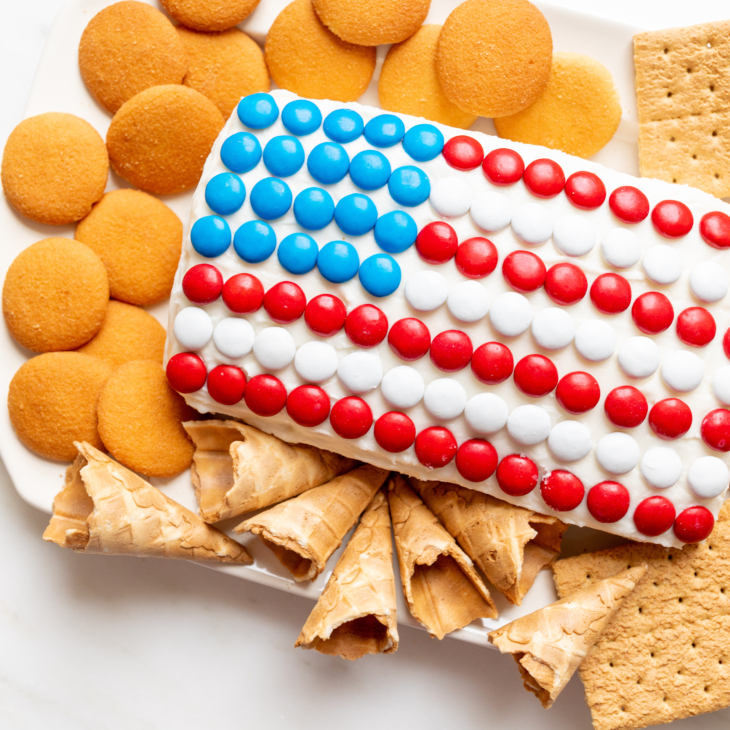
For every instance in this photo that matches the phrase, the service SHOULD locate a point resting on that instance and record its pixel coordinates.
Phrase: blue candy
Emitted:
(369, 170)
(241, 152)
(314, 209)
(225, 193)
(254, 241)
(270, 198)
(283, 155)
(408, 186)
(423, 142)
(258, 111)
(298, 253)
(328, 163)
(301, 117)
(385, 130)
(343, 125)
(210, 236)
(395, 231)
(380, 275)
(338, 261)
(356, 214)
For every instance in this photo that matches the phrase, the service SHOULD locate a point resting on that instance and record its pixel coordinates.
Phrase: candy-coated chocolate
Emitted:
(517, 475)
(626, 406)
(437, 243)
(492, 363)
(435, 447)
(395, 232)
(370, 170)
(226, 384)
(672, 218)
(384, 130)
(186, 372)
(696, 327)
(271, 198)
(356, 214)
(653, 516)
(544, 178)
(243, 293)
(652, 312)
(670, 418)
(283, 155)
(394, 432)
(463, 153)
(210, 236)
(536, 375)
(476, 460)
(476, 257)
(503, 167)
(297, 253)
(423, 142)
(343, 125)
(694, 524)
(409, 186)
(451, 350)
(285, 302)
(578, 392)
(328, 163)
(254, 241)
(314, 209)
(265, 395)
(585, 190)
(366, 326)
(202, 284)
(338, 261)
(258, 111)
(225, 193)
(241, 152)
(409, 338)
(301, 117)
(715, 229)
(562, 490)
(308, 405)
(565, 284)
(325, 315)
(524, 271)
(351, 417)
(380, 275)
(716, 429)
(608, 501)
(611, 293)
(629, 204)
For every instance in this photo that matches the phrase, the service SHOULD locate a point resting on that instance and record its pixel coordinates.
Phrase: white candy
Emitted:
(274, 348)
(426, 290)
(233, 337)
(193, 328)
(486, 413)
(529, 425)
(451, 196)
(721, 384)
(639, 357)
(595, 340)
(617, 453)
(708, 281)
(574, 235)
(360, 371)
(682, 371)
(402, 387)
(661, 467)
(620, 248)
(316, 361)
(510, 314)
(553, 328)
(662, 264)
(570, 441)
(532, 223)
(445, 398)
(491, 211)
(468, 301)
(708, 477)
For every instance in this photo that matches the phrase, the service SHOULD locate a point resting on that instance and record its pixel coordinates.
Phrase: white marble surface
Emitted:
(116, 643)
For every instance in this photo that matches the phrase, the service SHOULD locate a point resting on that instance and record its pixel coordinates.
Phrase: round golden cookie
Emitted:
(139, 239)
(224, 66)
(126, 48)
(128, 333)
(409, 84)
(159, 140)
(52, 402)
(305, 57)
(578, 112)
(494, 56)
(372, 22)
(209, 15)
(140, 420)
(55, 295)
(54, 168)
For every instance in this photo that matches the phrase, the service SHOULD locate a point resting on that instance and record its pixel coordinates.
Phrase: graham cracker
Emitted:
(683, 94)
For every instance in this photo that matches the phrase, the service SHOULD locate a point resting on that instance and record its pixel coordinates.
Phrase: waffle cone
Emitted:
(105, 508)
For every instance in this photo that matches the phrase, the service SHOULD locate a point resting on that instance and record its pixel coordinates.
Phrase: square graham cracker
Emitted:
(683, 94)
(666, 654)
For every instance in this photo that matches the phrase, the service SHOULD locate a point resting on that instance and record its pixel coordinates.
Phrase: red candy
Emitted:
(578, 392)
(394, 432)
(716, 429)
(654, 516)
(409, 338)
(186, 372)
(726, 343)
(202, 284)
(544, 178)
(503, 167)
(565, 284)
(226, 384)
(308, 405)
(536, 375)
(694, 524)
(243, 293)
(670, 418)
(351, 417)
(672, 219)
(523, 271)
(451, 350)
(517, 475)
(435, 447)
(629, 204)
(476, 258)
(585, 190)
(476, 460)
(652, 312)
(611, 294)
(492, 363)
(715, 229)
(366, 326)
(608, 501)
(696, 327)
(437, 243)
(325, 315)
(285, 302)
(463, 153)
(626, 407)
(265, 395)
(562, 490)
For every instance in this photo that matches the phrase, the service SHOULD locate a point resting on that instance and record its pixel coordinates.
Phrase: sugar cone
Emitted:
(304, 531)
(356, 613)
(105, 508)
(443, 590)
(509, 544)
(549, 645)
(237, 468)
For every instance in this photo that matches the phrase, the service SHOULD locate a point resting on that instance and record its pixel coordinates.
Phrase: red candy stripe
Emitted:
(608, 502)
(715, 229)
(716, 429)
(517, 475)
(726, 343)
(611, 294)
(226, 384)
(451, 350)
(394, 432)
(285, 302)
(652, 312)
(243, 294)
(492, 363)
(325, 315)
(523, 271)
(629, 204)
(476, 258)
(544, 178)
(351, 417)
(503, 167)
(672, 219)
(186, 372)
(654, 516)
(265, 395)
(562, 490)
(463, 153)
(694, 524)
(476, 460)
(366, 326)
(435, 447)
(308, 405)
(565, 284)
(626, 407)
(670, 418)
(585, 190)
(578, 392)
(696, 327)
(437, 242)
(536, 375)
(409, 338)
(202, 284)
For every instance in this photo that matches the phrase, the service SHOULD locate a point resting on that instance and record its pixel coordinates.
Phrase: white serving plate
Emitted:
(58, 87)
